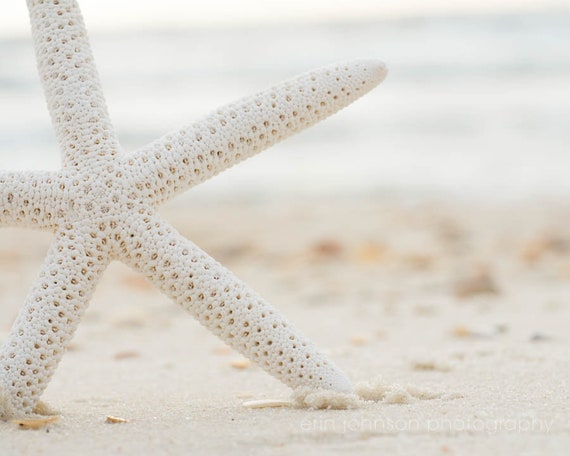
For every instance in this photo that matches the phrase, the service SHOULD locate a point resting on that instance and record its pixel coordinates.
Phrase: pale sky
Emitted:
(123, 14)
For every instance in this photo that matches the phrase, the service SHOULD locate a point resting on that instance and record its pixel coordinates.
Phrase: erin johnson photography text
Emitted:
(477, 425)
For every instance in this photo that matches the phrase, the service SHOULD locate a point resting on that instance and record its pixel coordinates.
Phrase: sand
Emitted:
(451, 317)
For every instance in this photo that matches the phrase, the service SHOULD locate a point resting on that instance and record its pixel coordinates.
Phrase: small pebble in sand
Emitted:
(419, 261)
(73, 346)
(359, 339)
(451, 232)
(126, 354)
(115, 420)
(539, 337)
(35, 423)
(534, 250)
(240, 363)
(431, 365)
(328, 248)
(481, 282)
(370, 253)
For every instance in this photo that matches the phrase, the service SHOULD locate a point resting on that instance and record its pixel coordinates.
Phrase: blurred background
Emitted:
(476, 104)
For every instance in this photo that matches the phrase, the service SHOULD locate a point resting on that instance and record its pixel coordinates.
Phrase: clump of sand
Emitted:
(377, 390)
(325, 399)
(374, 390)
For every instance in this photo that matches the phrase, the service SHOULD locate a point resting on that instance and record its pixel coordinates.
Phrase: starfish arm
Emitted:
(49, 318)
(27, 199)
(71, 83)
(239, 130)
(226, 306)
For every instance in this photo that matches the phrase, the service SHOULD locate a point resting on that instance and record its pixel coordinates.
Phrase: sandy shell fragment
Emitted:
(115, 420)
(461, 331)
(36, 423)
(328, 248)
(465, 332)
(267, 403)
(534, 250)
(359, 339)
(371, 253)
(430, 365)
(240, 363)
(244, 395)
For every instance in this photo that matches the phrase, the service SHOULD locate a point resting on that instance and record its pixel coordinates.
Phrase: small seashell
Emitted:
(240, 363)
(36, 423)
(114, 420)
(267, 403)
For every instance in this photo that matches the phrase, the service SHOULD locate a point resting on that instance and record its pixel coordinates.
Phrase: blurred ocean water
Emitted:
(473, 106)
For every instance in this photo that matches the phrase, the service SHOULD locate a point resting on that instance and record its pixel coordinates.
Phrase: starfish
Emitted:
(101, 207)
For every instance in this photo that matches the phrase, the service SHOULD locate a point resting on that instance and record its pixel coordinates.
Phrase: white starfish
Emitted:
(101, 207)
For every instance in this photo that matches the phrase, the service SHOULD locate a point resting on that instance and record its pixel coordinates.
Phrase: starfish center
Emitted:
(98, 198)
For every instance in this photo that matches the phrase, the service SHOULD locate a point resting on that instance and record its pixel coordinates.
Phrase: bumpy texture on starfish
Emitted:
(101, 207)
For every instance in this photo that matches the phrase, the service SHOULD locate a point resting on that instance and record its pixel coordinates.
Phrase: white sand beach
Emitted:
(457, 311)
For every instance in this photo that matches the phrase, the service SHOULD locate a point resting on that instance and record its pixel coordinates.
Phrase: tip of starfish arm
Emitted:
(353, 79)
(375, 70)
(337, 381)
(380, 69)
